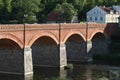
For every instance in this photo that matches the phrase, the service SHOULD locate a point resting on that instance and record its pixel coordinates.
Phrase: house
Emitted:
(56, 17)
(102, 14)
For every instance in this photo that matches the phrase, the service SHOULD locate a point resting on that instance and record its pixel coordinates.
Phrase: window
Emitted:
(90, 18)
(101, 18)
(95, 18)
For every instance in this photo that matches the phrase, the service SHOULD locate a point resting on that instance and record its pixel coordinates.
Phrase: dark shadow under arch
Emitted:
(11, 56)
(45, 52)
(99, 45)
(75, 48)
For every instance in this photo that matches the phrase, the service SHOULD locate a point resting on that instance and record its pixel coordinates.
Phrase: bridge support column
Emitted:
(89, 46)
(89, 52)
(28, 66)
(63, 59)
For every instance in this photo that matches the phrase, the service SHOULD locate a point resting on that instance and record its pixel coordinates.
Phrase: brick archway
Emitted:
(95, 32)
(72, 33)
(13, 38)
(36, 36)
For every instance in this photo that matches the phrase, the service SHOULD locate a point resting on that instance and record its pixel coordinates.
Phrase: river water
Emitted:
(79, 72)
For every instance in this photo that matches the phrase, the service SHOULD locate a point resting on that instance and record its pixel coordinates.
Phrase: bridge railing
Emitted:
(96, 25)
(72, 25)
(13, 27)
(41, 26)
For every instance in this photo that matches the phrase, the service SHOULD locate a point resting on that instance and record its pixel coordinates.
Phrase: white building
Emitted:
(103, 14)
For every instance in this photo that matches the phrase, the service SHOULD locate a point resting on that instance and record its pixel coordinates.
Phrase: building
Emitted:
(56, 17)
(102, 14)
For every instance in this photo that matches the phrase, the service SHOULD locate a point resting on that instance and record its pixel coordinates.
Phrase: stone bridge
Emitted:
(50, 45)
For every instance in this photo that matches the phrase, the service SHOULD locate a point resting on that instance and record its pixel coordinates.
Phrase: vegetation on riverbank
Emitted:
(112, 58)
(58, 78)
(29, 11)
(68, 66)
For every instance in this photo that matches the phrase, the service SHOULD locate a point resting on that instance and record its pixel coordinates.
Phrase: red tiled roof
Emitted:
(107, 9)
(53, 16)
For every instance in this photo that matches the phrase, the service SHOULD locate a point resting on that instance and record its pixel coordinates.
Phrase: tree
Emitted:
(67, 11)
(5, 10)
(1, 3)
(45, 8)
(25, 10)
(30, 11)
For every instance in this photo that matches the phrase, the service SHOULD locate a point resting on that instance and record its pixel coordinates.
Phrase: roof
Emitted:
(53, 16)
(117, 8)
(108, 9)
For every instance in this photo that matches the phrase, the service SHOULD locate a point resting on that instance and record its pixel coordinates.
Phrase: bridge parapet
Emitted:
(73, 25)
(41, 26)
(96, 25)
(51, 26)
(11, 27)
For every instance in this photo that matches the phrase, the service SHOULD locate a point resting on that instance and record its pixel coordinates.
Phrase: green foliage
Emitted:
(1, 3)
(67, 11)
(112, 58)
(5, 9)
(17, 9)
(25, 10)
(7, 5)
(68, 66)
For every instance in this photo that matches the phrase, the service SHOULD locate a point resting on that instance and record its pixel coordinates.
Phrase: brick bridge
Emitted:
(52, 45)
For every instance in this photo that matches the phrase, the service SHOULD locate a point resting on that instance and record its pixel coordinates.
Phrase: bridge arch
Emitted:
(42, 34)
(11, 54)
(45, 50)
(75, 47)
(99, 43)
(73, 33)
(13, 38)
(98, 31)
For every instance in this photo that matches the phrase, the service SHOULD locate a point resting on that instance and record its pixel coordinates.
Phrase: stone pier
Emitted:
(62, 52)
(28, 64)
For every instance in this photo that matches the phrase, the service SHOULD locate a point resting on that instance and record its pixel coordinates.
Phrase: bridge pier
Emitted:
(89, 52)
(62, 52)
(89, 46)
(28, 66)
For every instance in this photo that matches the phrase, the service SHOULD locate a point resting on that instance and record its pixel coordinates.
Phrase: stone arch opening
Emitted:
(11, 57)
(99, 44)
(45, 52)
(75, 48)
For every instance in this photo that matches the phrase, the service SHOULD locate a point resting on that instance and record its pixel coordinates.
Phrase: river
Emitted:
(79, 72)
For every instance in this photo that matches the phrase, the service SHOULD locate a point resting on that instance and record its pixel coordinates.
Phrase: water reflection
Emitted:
(80, 72)
(89, 73)
(115, 74)
(62, 73)
(15, 77)
(30, 77)
(10, 77)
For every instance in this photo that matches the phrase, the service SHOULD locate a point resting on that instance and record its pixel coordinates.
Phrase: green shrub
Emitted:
(68, 66)
(110, 58)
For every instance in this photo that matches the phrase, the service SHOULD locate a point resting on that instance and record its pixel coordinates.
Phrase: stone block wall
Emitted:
(45, 55)
(11, 61)
(11, 58)
(76, 51)
(100, 47)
